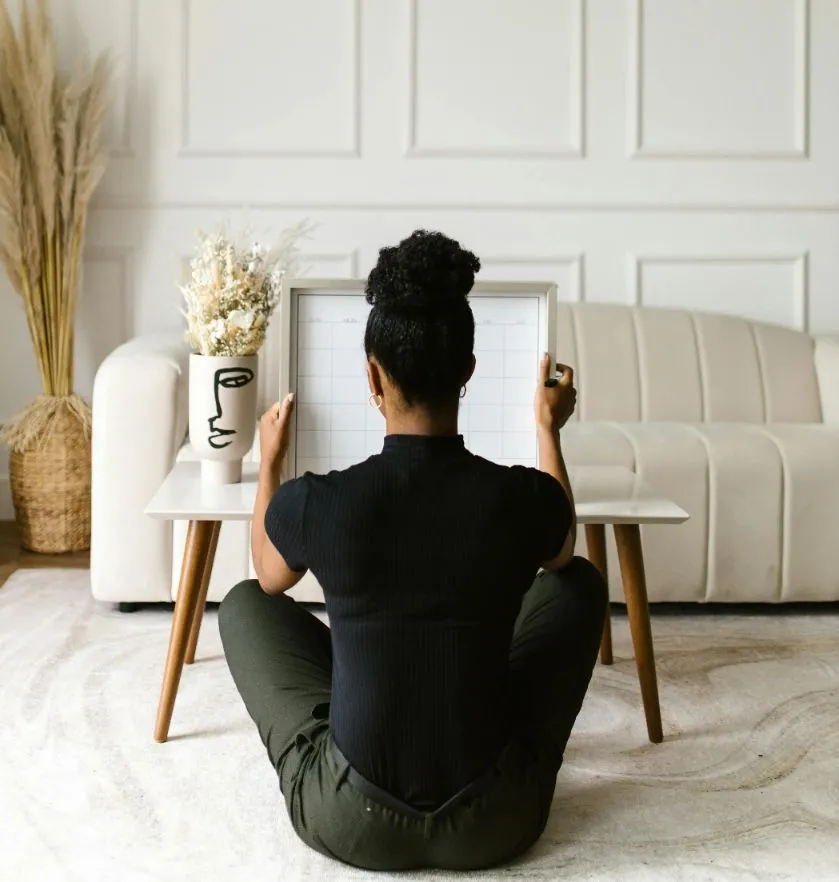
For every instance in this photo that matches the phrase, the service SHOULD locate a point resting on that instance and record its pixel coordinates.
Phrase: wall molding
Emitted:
(125, 148)
(104, 202)
(189, 150)
(575, 150)
(123, 258)
(638, 148)
(798, 261)
(351, 257)
(575, 261)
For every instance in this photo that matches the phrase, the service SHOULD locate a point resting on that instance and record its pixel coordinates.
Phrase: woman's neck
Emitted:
(422, 422)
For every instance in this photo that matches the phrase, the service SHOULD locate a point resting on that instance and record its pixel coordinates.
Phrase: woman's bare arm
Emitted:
(273, 573)
(555, 402)
(552, 463)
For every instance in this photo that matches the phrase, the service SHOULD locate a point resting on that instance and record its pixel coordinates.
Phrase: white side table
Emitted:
(603, 495)
(182, 497)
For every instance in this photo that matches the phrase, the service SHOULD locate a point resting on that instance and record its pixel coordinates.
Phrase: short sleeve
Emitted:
(284, 522)
(548, 514)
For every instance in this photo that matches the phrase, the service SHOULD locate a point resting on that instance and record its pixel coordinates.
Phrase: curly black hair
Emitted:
(421, 329)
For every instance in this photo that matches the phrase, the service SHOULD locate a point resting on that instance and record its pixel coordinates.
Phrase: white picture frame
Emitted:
(288, 352)
(294, 289)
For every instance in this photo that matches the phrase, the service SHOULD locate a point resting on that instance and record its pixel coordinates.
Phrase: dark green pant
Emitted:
(280, 657)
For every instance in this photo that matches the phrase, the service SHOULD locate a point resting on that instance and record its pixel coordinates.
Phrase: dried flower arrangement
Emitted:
(234, 290)
(51, 161)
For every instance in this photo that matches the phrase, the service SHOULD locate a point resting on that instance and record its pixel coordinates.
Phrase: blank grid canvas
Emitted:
(336, 427)
(496, 416)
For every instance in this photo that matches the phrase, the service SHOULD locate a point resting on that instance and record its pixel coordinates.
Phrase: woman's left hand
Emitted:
(274, 434)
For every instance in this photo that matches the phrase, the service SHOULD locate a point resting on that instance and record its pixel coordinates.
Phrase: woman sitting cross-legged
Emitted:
(426, 726)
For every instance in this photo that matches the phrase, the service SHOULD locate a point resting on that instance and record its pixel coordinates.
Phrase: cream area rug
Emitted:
(745, 786)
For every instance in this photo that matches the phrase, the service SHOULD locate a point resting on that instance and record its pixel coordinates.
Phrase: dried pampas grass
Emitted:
(51, 161)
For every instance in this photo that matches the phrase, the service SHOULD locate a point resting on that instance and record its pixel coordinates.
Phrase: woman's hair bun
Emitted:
(426, 274)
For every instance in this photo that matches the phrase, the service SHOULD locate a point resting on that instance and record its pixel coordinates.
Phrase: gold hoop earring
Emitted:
(463, 392)
(375, 401)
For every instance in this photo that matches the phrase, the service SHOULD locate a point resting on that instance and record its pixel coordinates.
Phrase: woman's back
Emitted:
(424, 553)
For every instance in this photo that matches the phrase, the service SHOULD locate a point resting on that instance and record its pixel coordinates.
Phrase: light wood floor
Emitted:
(12, 558)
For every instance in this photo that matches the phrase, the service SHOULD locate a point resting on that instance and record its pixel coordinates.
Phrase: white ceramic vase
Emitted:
(222, 414)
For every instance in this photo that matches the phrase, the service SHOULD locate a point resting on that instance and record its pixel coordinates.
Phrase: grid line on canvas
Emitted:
(332, 382)
(335, 426)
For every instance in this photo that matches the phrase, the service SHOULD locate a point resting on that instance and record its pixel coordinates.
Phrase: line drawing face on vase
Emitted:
(225, 378)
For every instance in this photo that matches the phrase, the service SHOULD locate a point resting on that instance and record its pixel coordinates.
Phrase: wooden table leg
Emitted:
(195, 629)
(630, 555)
(596, 544)
(198, 540)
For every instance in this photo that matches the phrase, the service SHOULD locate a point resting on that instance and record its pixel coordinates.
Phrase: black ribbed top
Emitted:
(424, 552)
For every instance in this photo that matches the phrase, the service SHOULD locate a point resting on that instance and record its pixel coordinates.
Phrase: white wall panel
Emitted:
(673, 152)
(102, 316)
(719, 78)
(105, 27)
(565, 271)
(267, 79)
(313, 265)
(472, 61)
(503, 97)
(769, 287)
(773, 265)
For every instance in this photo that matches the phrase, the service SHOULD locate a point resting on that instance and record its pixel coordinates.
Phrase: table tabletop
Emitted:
(616, 495)
(184, 497)
(602, 494)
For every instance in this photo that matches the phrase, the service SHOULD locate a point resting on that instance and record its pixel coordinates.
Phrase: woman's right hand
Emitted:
(274, 434)
(554, 404)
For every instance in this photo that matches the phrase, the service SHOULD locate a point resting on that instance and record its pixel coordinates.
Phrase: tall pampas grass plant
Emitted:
(50, 164)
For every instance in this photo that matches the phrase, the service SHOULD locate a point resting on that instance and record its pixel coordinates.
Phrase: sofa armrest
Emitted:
(827, 372)
(139, 422)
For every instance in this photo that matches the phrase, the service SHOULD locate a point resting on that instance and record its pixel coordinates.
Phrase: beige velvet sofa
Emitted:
(737, 421)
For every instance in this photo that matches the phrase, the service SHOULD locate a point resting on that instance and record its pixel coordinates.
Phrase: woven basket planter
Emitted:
(51, 490)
